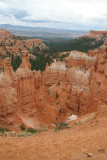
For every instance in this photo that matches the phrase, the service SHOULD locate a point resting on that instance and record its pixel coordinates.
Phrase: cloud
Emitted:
(55, 13)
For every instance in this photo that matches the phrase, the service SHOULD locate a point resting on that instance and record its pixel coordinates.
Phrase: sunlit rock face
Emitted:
(80, 60)
(38, 99)
(99, 76)
(8, 94)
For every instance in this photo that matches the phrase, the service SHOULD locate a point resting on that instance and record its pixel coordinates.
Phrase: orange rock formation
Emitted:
(97, 34)
(37, 99)
(12, 44)
(4, 34)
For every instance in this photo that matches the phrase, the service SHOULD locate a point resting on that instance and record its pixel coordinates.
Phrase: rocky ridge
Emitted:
(12, 44)
(4, 34)
(98, 35)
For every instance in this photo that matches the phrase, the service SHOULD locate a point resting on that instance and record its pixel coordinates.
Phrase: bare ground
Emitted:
(61, 145)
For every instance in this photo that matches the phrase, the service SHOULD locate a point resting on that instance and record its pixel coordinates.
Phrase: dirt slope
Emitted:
(62, 145)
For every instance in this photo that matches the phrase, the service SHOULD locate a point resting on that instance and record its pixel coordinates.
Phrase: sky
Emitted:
(65, 14)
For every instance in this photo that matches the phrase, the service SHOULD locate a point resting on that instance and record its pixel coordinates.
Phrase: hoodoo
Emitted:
(75, 87)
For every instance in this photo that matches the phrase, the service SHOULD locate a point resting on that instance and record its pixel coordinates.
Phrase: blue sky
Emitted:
(68, 14)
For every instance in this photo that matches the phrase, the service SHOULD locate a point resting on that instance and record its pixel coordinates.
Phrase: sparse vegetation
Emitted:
(58, 84)
(56, 118)
(21, 135)
(58, 103)
(60, 110)
(61, 126)
(57, 95)
(97, 120)
(48, 92)
(63, 89)
(4, 134)
(43, 129)
(4, 130)
(22, 127)
(77, 123)
(31, 130)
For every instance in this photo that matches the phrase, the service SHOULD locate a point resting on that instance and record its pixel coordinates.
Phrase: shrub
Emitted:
(4, 129)
(57, 103)
(31, 130)
(21, 135)
(60, 110)
(57, 95)
(24, 134)
(22, 127)
(43, 129)
(97, 120)
(61, 126)
(63, 89)
(48, 92)
(4, 134)
(58, 84)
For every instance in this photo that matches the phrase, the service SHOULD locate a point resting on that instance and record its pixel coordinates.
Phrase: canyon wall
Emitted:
(37, 99)
(64, 88)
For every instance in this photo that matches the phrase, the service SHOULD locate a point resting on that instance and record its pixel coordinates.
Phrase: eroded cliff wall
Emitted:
(36, 99)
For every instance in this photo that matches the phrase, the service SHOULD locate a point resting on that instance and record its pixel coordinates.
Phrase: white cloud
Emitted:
(66, 12)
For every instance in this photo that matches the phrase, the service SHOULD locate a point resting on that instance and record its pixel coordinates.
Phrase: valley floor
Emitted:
(61, 145)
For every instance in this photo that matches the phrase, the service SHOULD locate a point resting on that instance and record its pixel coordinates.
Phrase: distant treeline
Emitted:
(81, 44)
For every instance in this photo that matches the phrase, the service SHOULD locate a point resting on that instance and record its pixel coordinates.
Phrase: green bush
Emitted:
(61, 126)
(58, 84)
(31, 130)
(22, 127)
(57, 95)
(21, 135)
(56, 118)
(58, 103)
(60, 110)
(4, 129)
(4, 134)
